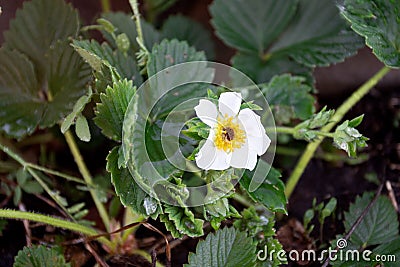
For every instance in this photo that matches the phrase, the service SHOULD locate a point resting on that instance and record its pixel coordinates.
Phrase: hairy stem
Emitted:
(32, 172)
(87, 177)
(337, 117)
(25, 215)
(135, 8)
(292, 131)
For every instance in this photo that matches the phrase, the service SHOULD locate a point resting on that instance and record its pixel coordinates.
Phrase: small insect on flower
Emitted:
(236, 136)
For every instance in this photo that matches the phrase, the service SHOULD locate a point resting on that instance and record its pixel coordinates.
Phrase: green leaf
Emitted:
(225, 248)
(129, 192)
(38, 26)
(158, 6)
(186, 29)
(271, 192)
(97, 55)
(17, 195)
(82, 129)
(391, 248)
(348, 138)
(169, 53)
(380, 224)
(40, 256)
(262, 71)
(251, 26)
(23, 102)
(317, 35)
(110, 112)
(289, 93)
(378, 21)
(180, 221)
(124, 23)
(275, 37)
(78, 107)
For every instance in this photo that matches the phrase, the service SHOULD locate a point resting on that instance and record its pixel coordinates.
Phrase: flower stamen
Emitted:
(228, 134)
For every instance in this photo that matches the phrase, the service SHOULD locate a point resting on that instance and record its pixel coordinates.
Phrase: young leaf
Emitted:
(124, 23)
(180, 221)
(78, 107)
(378, 22)
(185, 29)
(82, 128)
(291, 94)
(40, 256)
(129, 192)
(225, 248)
(110, 112)
(98, 55)
(380, 224)
(271, 192)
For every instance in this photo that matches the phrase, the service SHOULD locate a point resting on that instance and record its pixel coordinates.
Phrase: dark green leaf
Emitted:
(225, 248)
(379, 22)
(289, 93)
(380, 224)
(251, 26)
(129, 192)
(185, 29)
(38, 26)
(317, 36)
(158, 6)
(263, 70)
(110, 112)
(40, 256)
(271, 192)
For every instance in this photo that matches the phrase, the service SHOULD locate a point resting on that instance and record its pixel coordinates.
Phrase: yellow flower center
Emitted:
(228, 134)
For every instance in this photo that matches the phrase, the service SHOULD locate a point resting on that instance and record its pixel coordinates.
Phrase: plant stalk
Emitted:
(87, 177)
(76, 227)
(336, 118)
(105, 6)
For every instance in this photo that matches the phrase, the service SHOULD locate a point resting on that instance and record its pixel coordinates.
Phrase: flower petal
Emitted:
(259, 144)
(229, 103)
(251, 123)
(211, 158)
(244, 157)
(207, 112)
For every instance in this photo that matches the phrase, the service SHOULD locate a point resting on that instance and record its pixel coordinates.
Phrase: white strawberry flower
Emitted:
(236, 136)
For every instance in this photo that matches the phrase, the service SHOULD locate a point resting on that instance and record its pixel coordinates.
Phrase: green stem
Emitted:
(336, 118)
(135, 8)
(243, 200)
(105, 6)
(292, 131)
(28, 168)
(56, 173)
(87, 177)
(24, 215)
